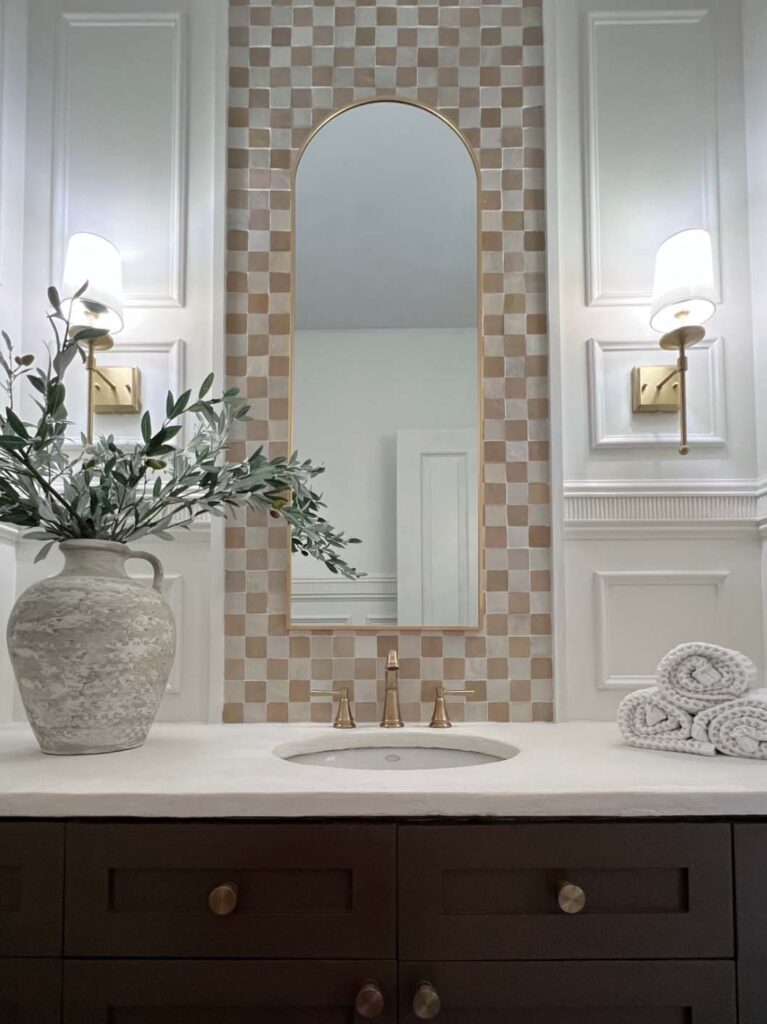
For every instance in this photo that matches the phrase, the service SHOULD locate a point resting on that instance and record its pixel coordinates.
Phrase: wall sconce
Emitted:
(93, 259)
(683, 300)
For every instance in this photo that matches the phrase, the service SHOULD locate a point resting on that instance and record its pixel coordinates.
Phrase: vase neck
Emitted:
(94, 558)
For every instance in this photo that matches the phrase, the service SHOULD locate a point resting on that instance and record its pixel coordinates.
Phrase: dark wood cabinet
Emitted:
(490, 892)
(110, 922)
(297, 890)
(591, 992)
(30, 991)
(223, 991)
(750, 846)
(31, 888)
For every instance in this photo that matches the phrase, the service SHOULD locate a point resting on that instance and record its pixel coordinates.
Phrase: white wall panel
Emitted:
(121, 92)
(651, 142)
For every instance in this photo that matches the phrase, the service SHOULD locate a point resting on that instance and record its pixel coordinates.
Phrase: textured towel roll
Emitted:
(696, 676)
(738, 728)
(647, 718)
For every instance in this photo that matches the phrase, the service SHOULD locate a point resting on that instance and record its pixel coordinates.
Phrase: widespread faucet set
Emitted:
(392, 718)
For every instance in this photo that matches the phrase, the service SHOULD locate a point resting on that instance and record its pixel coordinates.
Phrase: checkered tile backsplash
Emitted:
(480, 65)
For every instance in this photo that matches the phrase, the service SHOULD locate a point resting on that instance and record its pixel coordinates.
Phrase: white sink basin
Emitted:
(396, 753)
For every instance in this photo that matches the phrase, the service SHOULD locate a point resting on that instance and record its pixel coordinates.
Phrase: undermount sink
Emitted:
(400, 752)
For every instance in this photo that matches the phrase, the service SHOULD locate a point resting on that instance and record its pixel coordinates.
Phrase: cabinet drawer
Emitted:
(291, 890)
(589, 992)
(490, 892)
(227, 992)
(30, 991)
(31, 889)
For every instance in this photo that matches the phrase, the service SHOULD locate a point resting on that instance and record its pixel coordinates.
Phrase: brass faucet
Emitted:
(392, 719)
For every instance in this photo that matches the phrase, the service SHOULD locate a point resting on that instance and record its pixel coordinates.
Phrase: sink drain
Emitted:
(392, 757)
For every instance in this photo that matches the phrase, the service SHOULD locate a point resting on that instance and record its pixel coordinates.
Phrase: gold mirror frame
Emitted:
(481, 603)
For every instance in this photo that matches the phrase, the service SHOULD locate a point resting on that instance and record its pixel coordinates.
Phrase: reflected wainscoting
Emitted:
(480, 66)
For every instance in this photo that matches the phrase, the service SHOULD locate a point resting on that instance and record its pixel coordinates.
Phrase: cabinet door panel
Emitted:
(222, 992)
(30, 991)
(751, 917)
(588, 992)
(301, 890)
(490, 891)
(31, 888)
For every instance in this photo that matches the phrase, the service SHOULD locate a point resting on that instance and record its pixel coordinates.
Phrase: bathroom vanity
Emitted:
(160, 913)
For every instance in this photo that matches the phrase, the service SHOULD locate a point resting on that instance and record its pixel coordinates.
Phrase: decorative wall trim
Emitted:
(317, 621)
(648, 351)
(604, 582)
(175, 351)
(595, 293)
(657, 509)
(177, 243)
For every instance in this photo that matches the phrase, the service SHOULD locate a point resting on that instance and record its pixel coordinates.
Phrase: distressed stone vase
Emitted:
(92, 650)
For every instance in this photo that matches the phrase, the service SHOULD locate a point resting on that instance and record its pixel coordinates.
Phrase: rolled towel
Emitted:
(738, 728)
(696, 676)
(647, 718)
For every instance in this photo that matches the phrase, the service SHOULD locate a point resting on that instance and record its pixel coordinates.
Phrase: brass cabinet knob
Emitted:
(426, 1001)
(223, 899)
(370, 1001)
(571, 898)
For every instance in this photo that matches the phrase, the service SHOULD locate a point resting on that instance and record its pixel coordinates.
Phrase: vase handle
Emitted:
(156, 564)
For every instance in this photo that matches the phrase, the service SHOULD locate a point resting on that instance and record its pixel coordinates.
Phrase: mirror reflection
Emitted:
(385, 366)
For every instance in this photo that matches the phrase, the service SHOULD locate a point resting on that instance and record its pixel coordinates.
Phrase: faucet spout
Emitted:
(392, 719)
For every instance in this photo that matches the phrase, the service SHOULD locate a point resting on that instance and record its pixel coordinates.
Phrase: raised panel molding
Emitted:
(312, 588)
(154, 385)
(605, 583)
(705, 127)
(605, 435)
(168, 287)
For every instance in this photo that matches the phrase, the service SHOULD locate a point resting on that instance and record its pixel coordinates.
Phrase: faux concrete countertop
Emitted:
(570, 769)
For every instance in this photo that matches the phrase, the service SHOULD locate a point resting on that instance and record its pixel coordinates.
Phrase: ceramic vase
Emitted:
(92, 650)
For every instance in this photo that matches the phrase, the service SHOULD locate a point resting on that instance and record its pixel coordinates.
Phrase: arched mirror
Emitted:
(385, 366)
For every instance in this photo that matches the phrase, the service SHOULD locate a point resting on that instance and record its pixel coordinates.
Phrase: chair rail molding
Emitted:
(656, 508)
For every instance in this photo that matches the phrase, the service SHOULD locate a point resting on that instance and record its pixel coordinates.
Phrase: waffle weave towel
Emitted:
(697, 676)
(738, 728)
(647, 718)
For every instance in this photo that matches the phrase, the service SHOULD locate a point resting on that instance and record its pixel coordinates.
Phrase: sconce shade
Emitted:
(684, 282)
(96, 260)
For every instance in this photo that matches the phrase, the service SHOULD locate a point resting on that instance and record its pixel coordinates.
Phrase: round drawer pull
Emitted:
(426, 1001)
(370, 1001)
(571, 898)
(223, 899)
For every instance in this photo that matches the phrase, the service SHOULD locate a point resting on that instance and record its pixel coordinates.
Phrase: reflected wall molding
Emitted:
(171, 292)
(310, 588)
(596, 294)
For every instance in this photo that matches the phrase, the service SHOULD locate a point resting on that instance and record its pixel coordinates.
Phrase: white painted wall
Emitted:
(119, 128)
(647, 135)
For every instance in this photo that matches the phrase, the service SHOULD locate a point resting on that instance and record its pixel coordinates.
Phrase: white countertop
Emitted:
(571, 769)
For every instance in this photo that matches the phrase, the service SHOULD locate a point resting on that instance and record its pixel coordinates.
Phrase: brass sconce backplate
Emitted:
(116, 389)
(655, 389)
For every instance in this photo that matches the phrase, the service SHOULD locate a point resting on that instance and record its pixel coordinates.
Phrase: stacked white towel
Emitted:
(649, 719)
(701, 705)
(696, 676)
(738, 727)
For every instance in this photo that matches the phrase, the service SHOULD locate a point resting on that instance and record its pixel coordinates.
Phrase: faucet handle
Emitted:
(440, 719)
(392, 660)
(344, 718)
